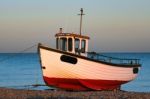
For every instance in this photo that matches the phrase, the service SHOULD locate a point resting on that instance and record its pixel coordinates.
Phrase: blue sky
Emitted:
(113, 25)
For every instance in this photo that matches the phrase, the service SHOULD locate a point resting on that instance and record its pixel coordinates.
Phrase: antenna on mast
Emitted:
(81, 19)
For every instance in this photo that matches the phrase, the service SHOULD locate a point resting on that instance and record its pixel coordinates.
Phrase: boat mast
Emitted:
(81, 19)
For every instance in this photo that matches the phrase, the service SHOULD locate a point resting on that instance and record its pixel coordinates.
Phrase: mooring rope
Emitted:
(15, 54)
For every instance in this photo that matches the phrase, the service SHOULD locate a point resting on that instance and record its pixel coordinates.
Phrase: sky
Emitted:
(113, 25)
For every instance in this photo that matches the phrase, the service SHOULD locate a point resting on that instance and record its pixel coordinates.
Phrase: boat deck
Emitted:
(113, 60)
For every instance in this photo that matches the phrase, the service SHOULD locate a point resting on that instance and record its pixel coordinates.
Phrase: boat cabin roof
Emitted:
(71, 35)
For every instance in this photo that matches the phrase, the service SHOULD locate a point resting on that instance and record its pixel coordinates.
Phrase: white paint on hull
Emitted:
(84, 69)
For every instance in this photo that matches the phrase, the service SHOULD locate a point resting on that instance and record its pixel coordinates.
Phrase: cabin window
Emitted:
(63, 44)
(83, 46)
(77, 43)
(57, 43)
(70, 44)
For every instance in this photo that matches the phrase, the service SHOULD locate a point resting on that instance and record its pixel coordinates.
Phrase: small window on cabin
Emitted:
(57, 43)
(77, 43)
(63, 44)
(70, 44)
(83, 46)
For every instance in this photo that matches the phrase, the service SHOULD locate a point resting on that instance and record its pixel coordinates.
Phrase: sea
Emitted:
(23, 71)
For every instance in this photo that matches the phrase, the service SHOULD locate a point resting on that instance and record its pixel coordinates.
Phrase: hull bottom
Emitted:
(83, 84)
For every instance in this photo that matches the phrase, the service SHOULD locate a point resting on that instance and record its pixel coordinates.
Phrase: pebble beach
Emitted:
(8, 93)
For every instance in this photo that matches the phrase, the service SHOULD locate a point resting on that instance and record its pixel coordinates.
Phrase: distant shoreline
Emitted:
(8, 93)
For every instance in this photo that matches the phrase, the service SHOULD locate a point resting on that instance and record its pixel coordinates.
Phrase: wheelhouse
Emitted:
(72, 43)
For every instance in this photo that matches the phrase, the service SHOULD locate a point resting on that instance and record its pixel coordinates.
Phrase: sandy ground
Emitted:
(6, 93)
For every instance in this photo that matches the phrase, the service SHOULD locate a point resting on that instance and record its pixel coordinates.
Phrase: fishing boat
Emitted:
(70, 66)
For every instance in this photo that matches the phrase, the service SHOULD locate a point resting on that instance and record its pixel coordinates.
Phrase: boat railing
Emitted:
(113, 60)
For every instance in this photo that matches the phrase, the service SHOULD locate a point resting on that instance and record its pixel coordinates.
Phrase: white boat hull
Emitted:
(84, 74)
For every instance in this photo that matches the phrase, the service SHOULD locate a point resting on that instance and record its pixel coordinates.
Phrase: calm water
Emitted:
(23, 71)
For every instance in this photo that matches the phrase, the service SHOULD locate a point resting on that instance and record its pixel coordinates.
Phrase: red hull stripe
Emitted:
(83, 84)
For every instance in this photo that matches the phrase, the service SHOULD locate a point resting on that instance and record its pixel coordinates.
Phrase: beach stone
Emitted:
(7, 93)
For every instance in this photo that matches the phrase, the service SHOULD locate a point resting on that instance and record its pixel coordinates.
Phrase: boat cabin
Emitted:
(72, 43)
